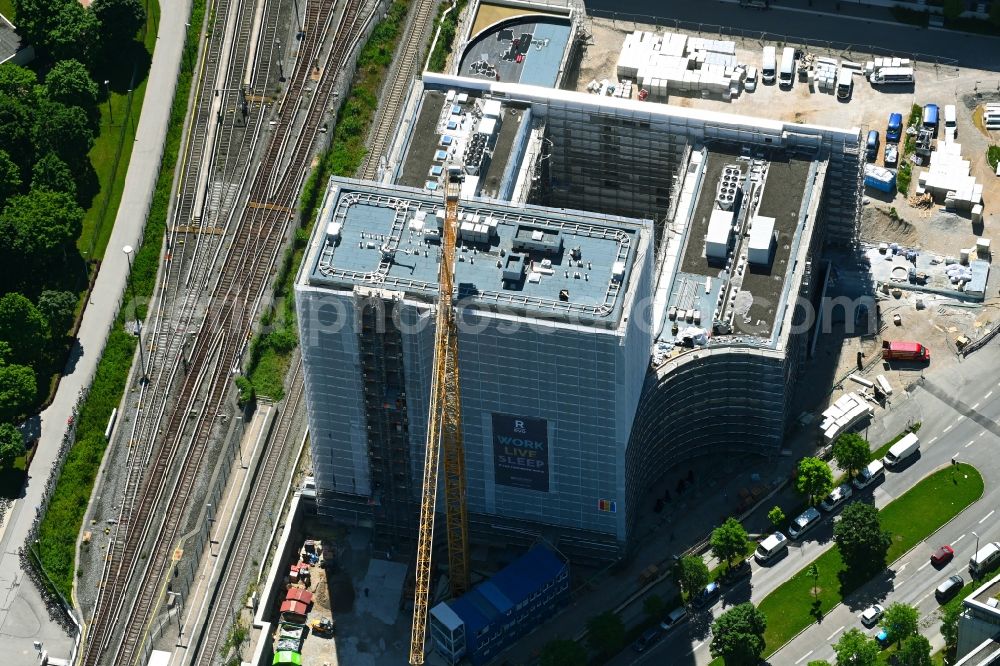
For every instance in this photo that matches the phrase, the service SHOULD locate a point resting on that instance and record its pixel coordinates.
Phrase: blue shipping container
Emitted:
(482, 623)
(883, 180)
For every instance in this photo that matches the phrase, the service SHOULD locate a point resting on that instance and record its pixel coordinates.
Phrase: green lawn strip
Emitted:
(7, 9)
(913, 516)
(117, 135)
(884, 449)
(993, 156)
(446, 40)
(60, 526)
(271, 351)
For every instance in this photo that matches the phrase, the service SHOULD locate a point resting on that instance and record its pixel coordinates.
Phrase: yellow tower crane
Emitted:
(444, 434)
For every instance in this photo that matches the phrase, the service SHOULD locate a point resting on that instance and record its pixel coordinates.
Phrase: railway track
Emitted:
(227, 593)
(216, 350)
(407, 65)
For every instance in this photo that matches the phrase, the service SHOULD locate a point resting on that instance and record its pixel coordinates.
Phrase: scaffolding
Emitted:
(380, 348)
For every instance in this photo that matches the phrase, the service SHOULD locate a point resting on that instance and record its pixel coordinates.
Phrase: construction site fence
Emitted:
(846, 50)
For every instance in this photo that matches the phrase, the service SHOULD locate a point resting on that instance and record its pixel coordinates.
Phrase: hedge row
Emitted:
(446, 41)
(60, 526)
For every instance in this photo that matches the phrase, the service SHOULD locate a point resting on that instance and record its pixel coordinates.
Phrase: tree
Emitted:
(120, 20)
(17, 117)
(949, 627)
(40, 225)
(563, 652)
(777, 517)
(58, 308)
(73, 33)
(654, 606)
(17, 391)
(11, 444)
(17, 82)
(691, 575)
(862, 542)
(10, 177)
(814, 479)
(856, 649)
(51, 173)
(818, 662)
(63, 130)
(738, 635)
(915, 651)
(900, 621)
(69, 83)
(606, 633)
(813, 572)
(23, 327)
(730, 541)
(851, 452)
(952, 9)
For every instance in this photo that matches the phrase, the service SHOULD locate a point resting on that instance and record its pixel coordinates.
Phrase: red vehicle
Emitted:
(942, 555)
(899, 350)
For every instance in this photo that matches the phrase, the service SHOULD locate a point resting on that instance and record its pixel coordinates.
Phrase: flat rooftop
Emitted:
(989, 595)
(775, 187)
(552, 264)
(446, 123)
(519, 50)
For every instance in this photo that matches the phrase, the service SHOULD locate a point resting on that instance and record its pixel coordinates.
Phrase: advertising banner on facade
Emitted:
(521, 452)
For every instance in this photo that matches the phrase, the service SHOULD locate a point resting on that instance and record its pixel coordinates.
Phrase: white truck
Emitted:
(985, 559)
(769, 66)
(787, 73)
(901, 450)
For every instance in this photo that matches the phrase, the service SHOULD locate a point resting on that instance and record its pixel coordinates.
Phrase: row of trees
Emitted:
(49, 118)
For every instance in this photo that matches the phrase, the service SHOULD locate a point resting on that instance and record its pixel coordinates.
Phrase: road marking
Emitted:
(971, 442)
(803, 657)
(949, 427)
(921, 599)
(933, 439)
(923, 566)
(830, 637)
(976, 406)
(696, 646)
(900, 569)
(988, 394)
(986, 517)
(957, 540)
(956, 454)
(981, 434)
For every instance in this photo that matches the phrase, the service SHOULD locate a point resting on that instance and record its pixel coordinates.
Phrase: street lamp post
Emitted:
(977, 541)
(142, 361)
(281, 71)
(107, 91)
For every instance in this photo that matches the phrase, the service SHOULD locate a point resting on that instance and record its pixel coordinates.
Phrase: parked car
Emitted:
(942, 555)
(871, 615)
(648, 637)
(804, 522)
(840, 494)
(948, 589)
(882, 638)
(707, 596)
(750, 83)
(675, 617)
(736, 572)
(874, 471)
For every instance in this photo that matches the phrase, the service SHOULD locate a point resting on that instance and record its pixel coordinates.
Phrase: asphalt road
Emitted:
(796, 19)
(954, 406)
(23, 616)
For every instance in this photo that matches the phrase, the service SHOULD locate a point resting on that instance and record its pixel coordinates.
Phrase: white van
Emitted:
(750, 82)
(787, 73)
(804, 522)
(902, 450)
(845, 83)
(768, 67)
(950, 123)
(869, 474)
(771, 547)
(985, 559)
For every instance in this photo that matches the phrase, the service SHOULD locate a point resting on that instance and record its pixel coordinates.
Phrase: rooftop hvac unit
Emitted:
(728, 187)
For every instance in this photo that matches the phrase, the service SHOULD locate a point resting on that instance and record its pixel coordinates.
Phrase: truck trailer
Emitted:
(899, 350)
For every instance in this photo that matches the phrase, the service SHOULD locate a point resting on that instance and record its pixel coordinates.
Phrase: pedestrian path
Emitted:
(23, 617)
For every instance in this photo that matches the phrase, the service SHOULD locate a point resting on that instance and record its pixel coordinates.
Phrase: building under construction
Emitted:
(628, 281)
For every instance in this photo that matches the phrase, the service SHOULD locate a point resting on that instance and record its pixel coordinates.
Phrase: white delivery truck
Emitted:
(786, 75)
(771, 547)
(985, 559)
(845, 83)
(769, 67)
(950, 123)
(902, 450)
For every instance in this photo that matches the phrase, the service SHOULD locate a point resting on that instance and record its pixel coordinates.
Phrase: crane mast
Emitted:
(444, 435)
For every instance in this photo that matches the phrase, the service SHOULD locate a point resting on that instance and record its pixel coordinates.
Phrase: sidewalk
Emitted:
(702, 509)
(22, 613)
